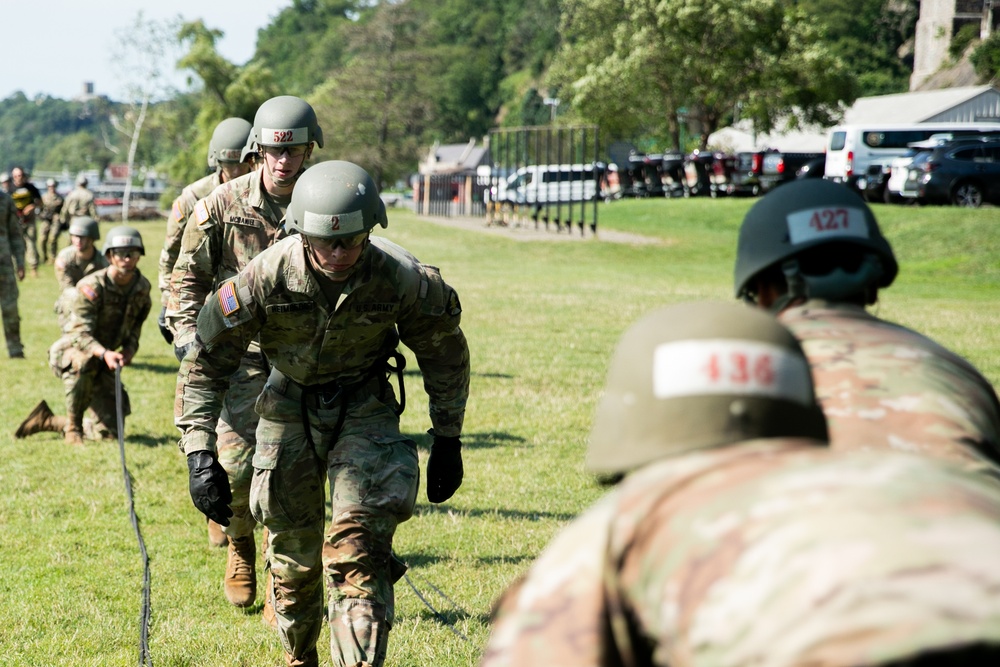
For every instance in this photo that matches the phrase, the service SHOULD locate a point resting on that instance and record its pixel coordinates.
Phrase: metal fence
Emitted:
(545, 175)
(450, 195)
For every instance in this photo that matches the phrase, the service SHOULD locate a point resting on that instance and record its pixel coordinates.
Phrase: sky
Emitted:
(52, 47)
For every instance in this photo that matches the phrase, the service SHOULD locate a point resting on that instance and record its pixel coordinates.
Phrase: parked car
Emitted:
(745, 179)
(963, 173)
(780, 167)
(909, 190)
(814, 168)
(872, 185)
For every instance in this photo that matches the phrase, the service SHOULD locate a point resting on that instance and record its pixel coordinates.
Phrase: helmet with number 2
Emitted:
(286, 121)
(805, 214)
(698, 376)
(335, 199)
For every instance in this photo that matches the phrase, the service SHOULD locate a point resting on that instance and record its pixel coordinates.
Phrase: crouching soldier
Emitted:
(101, 333)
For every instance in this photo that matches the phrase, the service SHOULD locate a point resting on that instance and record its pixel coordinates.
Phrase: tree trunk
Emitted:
(131, 156)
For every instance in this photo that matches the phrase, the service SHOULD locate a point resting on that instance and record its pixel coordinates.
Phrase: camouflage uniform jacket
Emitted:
(770, 553)
(884, 386)
(313, 341)
(104, 315)
(11, 240)
(52, 204)
(227, 229)
(70, 267)
(179, 212)
(80, 201)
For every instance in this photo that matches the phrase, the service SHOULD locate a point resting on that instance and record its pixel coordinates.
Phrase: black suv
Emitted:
(964, 173)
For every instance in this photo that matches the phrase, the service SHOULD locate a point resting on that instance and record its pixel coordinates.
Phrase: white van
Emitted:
(850, 149)
(549, 184)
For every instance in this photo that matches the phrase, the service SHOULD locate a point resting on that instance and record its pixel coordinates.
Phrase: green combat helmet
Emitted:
(82, 180)
(123, 237)
(84, 225)
(803, 215)
(228, 140)
(286, 121)
(335, 199)
(699, 376)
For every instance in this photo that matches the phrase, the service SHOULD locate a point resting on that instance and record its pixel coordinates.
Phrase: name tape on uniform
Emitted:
(827, 222)
(270, 136)
(726, 366)
(319, 224)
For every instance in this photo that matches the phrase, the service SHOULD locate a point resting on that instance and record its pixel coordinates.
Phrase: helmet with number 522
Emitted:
(286, 120)
(335, 199)
(698, 376)
(814, 220)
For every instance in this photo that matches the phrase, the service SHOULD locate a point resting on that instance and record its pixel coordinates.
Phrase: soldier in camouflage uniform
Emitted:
(79, 202)
(105, 316)
(227, 162)
(228, 228)
(735, 537)
(329, 306)
(813, 253)
(11, 271)
(51, 227)
(27, 201)
(76, 261)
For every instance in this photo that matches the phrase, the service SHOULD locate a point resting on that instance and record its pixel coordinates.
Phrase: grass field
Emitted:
(541, 319)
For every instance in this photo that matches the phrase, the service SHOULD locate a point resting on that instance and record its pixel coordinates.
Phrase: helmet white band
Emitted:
(727, 366)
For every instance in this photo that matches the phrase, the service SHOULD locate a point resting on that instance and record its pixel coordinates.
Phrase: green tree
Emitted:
(637, 64)
(372, 110)
(77, 152)
(986, 58)
(226, 90)
(868, 36)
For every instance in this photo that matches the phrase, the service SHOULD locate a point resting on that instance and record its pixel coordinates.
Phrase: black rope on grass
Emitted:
(145, 659)
(437, 614)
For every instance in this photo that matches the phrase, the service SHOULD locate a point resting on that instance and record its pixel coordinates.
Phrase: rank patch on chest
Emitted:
(227, 299)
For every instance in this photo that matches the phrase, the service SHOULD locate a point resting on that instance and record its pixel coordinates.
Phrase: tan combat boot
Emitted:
(310, 659)
(73, 437)
(40, 419)
(241, 571)
(216, 538)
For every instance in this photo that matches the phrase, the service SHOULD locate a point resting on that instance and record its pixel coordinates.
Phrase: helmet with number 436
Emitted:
(807, 214)
(698, 376)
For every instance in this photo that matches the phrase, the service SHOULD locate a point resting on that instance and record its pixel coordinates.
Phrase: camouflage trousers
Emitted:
(88, 384)
(8, 306)
(373, 475)
(236, 436)
(48, 239)
(30, 232)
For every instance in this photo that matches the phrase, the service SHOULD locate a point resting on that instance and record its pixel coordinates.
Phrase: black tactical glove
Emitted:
(209, 486)
(161, 321)
(182, 350)
(444, 468)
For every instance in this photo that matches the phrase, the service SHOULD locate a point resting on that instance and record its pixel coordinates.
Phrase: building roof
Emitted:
(453, 158)
(915, 107)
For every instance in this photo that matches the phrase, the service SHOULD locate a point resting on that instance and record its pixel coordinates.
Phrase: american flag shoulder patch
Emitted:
(177, 211)
(88, 291)
(201, 212)
(227, 299)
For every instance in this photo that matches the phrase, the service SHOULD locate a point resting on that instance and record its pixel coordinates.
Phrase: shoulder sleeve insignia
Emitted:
(201, 212)
(228, 300)
(88, 291)
(177, 211)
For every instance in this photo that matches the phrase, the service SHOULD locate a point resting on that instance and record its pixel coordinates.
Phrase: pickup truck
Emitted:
(779, 167)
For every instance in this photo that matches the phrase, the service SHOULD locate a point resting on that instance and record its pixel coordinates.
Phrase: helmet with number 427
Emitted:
(805, 214)
(286, 120)
(335, 199)
(698, 376)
